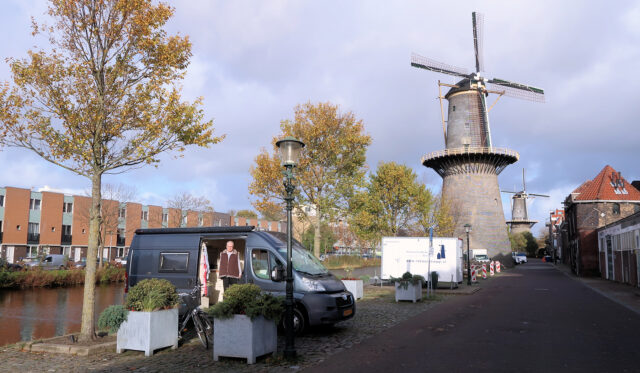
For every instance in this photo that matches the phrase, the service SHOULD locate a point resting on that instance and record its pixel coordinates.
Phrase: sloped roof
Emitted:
(608, 185)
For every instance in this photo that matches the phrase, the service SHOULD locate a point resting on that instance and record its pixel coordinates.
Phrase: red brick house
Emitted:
(606, 198)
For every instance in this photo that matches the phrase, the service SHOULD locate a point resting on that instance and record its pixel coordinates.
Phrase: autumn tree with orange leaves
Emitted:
(332, 165)
(103, 97)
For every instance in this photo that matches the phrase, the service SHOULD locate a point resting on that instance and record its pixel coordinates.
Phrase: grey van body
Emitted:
(51, 261)
(320, 296)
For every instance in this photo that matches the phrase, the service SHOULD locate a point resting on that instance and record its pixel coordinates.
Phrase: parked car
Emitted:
(82, 263)
(4, 265)
(519, 258)
(121, 260)
(51, 261)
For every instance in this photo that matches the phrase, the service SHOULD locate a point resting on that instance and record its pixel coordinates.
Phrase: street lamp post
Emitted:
(467, 228)
(289, 149)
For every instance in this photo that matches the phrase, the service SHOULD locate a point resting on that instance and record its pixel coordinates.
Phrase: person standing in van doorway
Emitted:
(229, 269)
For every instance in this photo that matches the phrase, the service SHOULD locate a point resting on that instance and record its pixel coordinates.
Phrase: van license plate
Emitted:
(347, 312)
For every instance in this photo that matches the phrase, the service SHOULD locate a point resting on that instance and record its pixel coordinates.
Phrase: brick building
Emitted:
(556, 219)
(596, 203)
(35, 223)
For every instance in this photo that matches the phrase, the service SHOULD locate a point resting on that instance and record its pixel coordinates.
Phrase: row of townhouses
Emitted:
(598, 232)
(36, 223)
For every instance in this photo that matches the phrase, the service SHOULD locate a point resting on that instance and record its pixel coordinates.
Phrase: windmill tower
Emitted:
(470, 164)
(519, 216)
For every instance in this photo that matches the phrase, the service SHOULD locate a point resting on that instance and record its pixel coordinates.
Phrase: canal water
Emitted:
(28, 314)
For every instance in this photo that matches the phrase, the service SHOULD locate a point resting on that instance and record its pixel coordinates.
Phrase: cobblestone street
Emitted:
(377, 312)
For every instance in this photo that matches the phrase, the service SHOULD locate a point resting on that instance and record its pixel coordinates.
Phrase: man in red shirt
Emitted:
(229, 270)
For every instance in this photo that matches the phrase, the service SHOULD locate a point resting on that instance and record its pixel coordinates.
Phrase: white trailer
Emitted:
(411, 254)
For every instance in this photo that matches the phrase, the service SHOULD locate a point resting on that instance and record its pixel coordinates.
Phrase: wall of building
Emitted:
(583, 220)
(16, 216)
(620, 243)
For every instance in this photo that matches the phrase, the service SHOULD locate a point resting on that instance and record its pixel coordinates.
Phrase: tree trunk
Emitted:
(317, 237)
(87, 329)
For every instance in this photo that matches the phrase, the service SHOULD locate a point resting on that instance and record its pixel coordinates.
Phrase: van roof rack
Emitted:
(230, 229)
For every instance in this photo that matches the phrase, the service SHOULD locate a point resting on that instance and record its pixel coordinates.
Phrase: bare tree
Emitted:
(184, 202)
(111, 197)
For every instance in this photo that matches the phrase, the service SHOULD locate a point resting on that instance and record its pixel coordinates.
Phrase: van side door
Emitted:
(261, 263)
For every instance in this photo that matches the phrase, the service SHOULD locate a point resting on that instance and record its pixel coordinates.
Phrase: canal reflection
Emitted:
(42, 313)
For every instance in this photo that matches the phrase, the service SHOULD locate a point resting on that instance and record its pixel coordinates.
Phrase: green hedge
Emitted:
(353, 261)
(65, 277)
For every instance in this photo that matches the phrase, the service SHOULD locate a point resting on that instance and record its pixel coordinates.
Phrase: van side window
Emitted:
(174, 262)
(260, 263)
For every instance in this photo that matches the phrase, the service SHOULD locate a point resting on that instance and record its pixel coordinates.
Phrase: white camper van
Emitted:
(411, 254)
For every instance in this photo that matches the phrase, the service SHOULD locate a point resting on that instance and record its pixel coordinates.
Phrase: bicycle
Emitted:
(201, 321)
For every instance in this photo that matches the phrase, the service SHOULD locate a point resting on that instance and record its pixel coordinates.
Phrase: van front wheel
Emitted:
(299, 321)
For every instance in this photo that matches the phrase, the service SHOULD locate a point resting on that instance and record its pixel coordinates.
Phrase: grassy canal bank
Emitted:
(65, 277)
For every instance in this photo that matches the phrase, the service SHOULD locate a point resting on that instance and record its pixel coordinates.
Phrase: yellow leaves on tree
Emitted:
(103, 98)
(392, 203)
(331, 166)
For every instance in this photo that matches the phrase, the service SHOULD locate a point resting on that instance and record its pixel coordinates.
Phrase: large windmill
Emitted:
(470, 164)
(519, 215)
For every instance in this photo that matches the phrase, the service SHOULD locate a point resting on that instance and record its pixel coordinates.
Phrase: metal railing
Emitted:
(65, 239)
(471, 150)
(33, 238)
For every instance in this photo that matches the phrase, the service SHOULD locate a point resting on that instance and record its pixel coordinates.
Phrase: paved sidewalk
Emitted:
(626, 295)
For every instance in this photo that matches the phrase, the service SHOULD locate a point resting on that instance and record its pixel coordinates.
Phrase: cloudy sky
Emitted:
(253, 61)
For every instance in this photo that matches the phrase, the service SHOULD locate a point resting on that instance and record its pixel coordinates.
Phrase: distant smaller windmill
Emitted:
(519, 215)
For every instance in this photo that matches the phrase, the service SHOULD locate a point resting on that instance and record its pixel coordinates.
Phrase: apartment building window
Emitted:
(122, 212)
(33, 233)
(120, 239)
(1, 200)
(165, 217)
(34, 204)
(34, 228)
(67, 207)
(200, 221)
(184, 220)
(145, 215)
(66, 235)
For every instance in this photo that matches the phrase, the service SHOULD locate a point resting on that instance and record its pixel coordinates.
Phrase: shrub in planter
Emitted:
(112, 317)
(152, 295)
(354, 286)
(153, 320)
(408, 287)
(249, 300)
(245, 323)
(406, 279)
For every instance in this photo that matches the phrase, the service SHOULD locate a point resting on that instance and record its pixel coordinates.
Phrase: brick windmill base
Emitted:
(470, 187)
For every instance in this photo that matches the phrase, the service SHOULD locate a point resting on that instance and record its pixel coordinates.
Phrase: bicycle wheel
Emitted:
(208, 326)
(200, 329)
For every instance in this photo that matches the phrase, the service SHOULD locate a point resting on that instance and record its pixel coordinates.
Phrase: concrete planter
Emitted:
(356, 287)
(148, 331)
(412, 292)
(242, 337)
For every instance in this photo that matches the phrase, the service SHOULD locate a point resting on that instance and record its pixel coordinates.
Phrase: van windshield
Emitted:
(303, 261)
